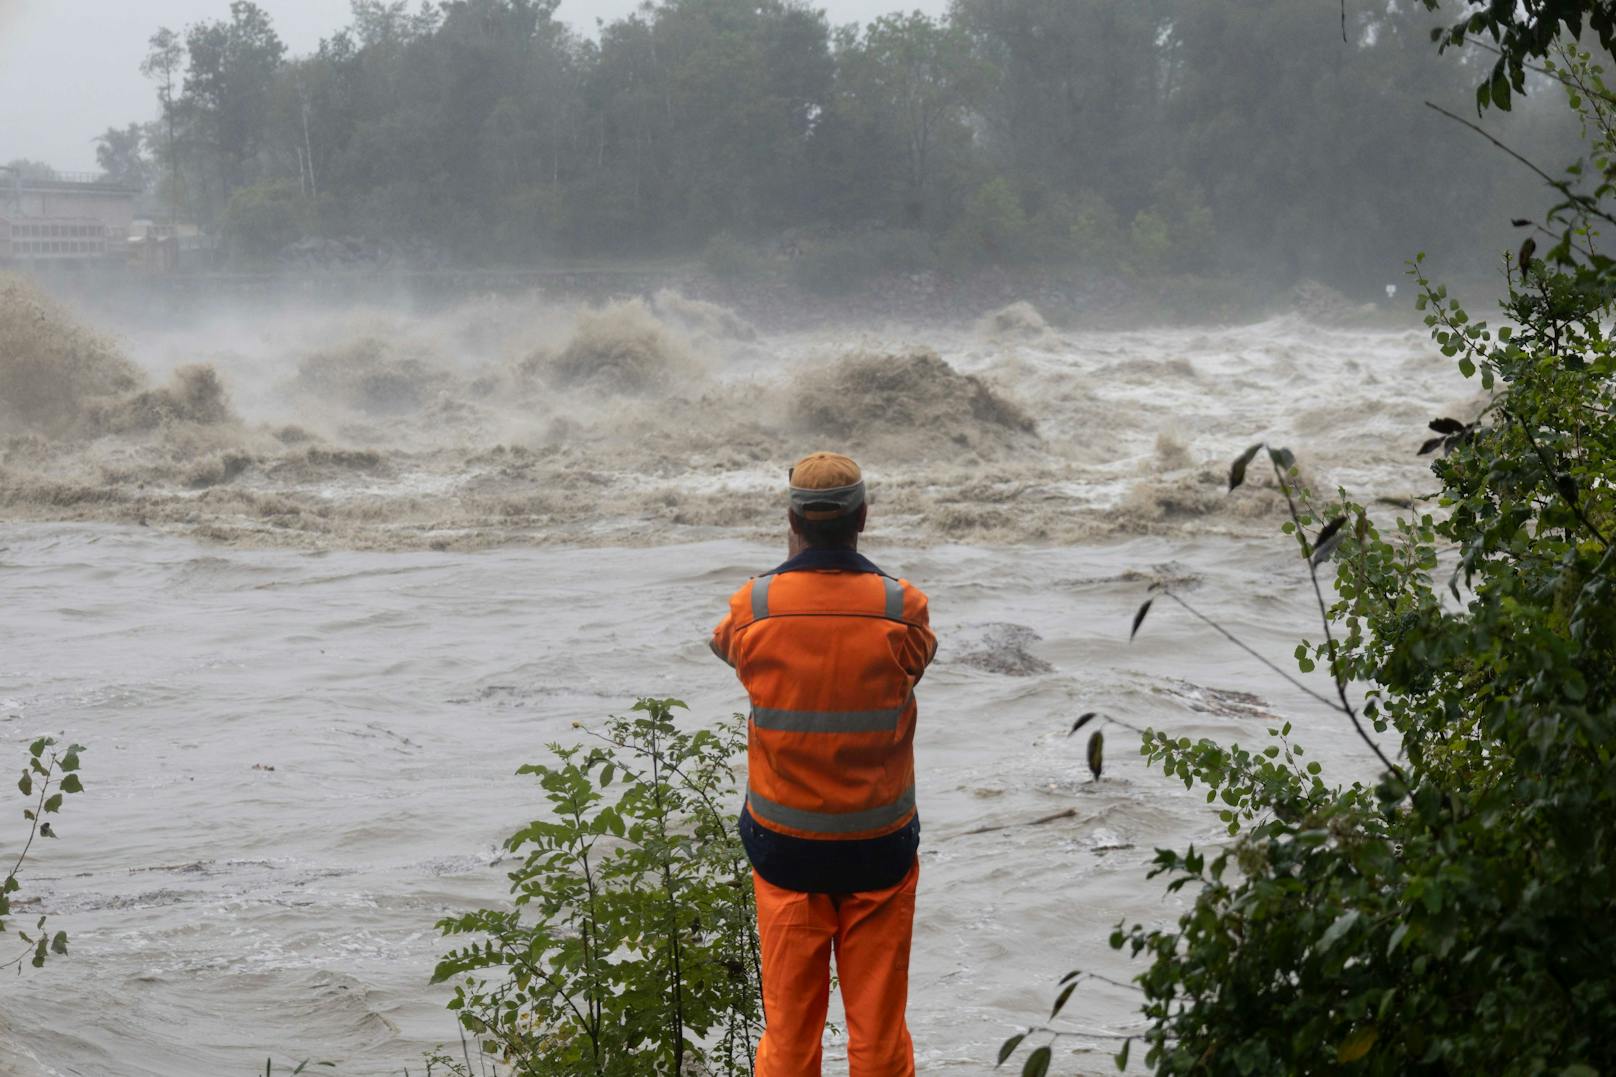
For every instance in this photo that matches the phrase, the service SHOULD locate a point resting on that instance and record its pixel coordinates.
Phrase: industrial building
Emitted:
(64, 219)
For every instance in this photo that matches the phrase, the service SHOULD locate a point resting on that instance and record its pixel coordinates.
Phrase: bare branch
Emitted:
(1582, 202)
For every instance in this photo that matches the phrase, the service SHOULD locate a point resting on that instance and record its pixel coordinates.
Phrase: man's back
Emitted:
(830, 649)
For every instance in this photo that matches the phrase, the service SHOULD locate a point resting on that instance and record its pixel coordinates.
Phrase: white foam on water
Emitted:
(518, 420)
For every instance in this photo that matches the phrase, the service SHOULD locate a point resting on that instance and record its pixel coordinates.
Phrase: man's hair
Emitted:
(840, 531)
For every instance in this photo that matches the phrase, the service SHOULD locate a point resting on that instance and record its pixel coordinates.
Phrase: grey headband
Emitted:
(846, 499)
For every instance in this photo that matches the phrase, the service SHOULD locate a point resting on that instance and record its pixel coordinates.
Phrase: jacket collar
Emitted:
(832, 558)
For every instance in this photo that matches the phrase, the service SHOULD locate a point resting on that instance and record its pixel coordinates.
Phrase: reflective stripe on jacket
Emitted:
(830, 659)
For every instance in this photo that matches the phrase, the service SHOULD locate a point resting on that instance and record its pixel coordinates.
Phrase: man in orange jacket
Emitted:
(830, 649)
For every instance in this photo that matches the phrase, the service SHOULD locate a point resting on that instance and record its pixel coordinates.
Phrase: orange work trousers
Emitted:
(870, 933)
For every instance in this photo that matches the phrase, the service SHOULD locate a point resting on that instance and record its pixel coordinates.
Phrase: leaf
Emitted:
(1237, 470)
(1060, 1000)
(26, 784)
(1386, 1001)
(1326, 549)
(1330, 529)
(71, 784)
(1524, 256)
(1499, 89)
(1328, 539)
(53, 802)
(59, 943)
(1447, 426)
(1431, 446)
(1358, 1044)
(1122, 1055)
(1567, 487)
(1082, 720)
(1008, 1047)
(1096, 753)
(1139, 619)
(1038, 1062)
(1283, 459)
(1342, 925)
(1519, 222)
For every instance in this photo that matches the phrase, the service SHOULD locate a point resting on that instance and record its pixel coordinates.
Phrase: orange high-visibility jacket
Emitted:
(830, 660)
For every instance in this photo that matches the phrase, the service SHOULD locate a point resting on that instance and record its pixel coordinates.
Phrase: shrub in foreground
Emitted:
(631, 945)
(1458, 914)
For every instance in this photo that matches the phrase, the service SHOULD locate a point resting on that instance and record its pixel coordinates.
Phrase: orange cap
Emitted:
(825, 485)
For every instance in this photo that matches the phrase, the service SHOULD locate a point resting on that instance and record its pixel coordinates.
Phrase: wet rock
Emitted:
(1000, 648)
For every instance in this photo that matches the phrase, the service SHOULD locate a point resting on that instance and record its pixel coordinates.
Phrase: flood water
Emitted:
(303, 728)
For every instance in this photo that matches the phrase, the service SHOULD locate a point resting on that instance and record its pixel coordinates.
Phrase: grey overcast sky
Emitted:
(69, 69)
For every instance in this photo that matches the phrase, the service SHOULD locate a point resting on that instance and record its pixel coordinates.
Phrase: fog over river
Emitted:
(311, 603)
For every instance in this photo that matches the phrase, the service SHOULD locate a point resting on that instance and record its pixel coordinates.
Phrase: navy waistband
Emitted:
(830, 867)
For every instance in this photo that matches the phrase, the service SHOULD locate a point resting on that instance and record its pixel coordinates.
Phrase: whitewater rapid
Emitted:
(302, 739)
(514, 419)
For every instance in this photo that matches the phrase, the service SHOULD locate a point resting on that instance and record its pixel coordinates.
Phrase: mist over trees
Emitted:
(1155, 137)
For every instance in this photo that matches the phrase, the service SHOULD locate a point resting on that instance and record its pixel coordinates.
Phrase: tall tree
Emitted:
(228, 85)
(1161, 136)
(1079, 91)
(120, 151)
(911, 77)
(164, 65)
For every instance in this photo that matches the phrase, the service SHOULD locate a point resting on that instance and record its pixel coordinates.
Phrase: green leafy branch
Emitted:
(48, 778)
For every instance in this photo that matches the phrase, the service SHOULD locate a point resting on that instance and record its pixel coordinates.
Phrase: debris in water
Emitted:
(1003, 648)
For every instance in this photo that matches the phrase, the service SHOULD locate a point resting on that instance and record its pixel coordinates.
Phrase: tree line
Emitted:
(1262, 138)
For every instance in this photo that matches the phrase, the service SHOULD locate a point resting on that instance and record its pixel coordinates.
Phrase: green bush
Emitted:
(1095, 230)
(263, 219)
(1457, 915)
(992, 230)
(1150, 243)
(631, 946)
(1174, 235)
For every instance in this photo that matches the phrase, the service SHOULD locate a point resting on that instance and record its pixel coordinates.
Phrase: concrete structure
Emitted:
(168, 247)
(67, 219)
